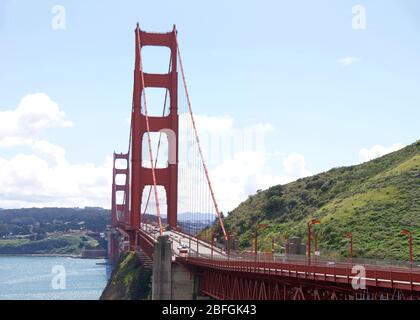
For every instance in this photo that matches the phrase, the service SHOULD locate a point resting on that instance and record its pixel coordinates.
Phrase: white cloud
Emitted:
(237, 161)
(295, 166)
(215, 125)
(220, 139)
(236, 158)
(378, 151)
(237, 178)
(347, 61)
(31, 180)
(35, 113)
(44, 177)
(8, 142)
(50, 152)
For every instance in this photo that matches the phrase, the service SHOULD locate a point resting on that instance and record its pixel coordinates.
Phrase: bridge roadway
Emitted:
(200, 254)
(235, 275)
(195, 246)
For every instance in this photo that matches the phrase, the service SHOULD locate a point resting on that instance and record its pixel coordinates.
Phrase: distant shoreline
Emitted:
(46, 255)
(40, 255)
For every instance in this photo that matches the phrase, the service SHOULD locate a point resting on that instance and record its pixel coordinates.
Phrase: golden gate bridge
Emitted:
(148, 193)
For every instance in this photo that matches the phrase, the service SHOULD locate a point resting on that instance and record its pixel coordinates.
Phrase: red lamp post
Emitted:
(272, 248)
(257, 227)
(286, 244)
(272, 244)
(313, 221)
(232, 241)
(350, 236)
(229, 240)
(410, 238)
(212, 244)
(228, 244)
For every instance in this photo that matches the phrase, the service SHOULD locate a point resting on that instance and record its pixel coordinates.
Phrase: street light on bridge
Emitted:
(410, 239)
(213, 235)
(231, 239)
(257, 227)
(231, 242)
(350, 236)
(313, 221)
(272, 244)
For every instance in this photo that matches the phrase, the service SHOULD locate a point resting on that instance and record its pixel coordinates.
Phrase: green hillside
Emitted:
(374, 201)
(130, 280)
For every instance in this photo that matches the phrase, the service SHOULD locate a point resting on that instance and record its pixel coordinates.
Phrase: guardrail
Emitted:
(146, 243)
(374, 275)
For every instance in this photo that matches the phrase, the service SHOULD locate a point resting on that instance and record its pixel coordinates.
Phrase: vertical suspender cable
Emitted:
(159, 142)
(198, 141)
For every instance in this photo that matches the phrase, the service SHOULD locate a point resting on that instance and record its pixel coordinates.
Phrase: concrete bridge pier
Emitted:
(162, 275)
(170, 280)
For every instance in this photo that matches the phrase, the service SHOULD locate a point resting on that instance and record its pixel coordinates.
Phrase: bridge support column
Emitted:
(162, 270)
(171, 280)
(112, 247)
(185, 285)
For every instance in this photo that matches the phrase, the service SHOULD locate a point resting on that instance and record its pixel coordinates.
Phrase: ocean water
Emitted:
(52, 278)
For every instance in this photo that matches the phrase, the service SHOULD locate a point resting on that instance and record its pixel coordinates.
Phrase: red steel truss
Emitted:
(247, 286)
(264, 280)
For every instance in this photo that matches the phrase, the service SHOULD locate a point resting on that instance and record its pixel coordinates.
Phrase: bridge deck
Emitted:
(195, 245)
(281, 266)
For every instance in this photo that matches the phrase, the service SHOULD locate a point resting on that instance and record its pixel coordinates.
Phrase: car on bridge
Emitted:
(183, 248)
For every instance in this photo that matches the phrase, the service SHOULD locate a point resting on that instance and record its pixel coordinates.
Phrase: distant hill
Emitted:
(26, 221)
(373, 200)
(191, 223)
(189, 216)
(52, 230)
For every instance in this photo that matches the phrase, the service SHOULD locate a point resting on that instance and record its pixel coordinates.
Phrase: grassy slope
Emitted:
(129, 280)
(374, 200)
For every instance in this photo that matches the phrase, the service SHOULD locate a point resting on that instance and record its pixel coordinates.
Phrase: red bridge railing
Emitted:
(146, 243)
(375, 276)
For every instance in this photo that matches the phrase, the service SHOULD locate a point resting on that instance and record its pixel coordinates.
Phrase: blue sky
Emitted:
(274, 63)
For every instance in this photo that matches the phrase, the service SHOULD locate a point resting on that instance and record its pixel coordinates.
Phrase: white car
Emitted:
(183, 249)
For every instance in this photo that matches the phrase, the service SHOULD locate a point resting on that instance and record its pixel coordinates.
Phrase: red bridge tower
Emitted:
(142, 176)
